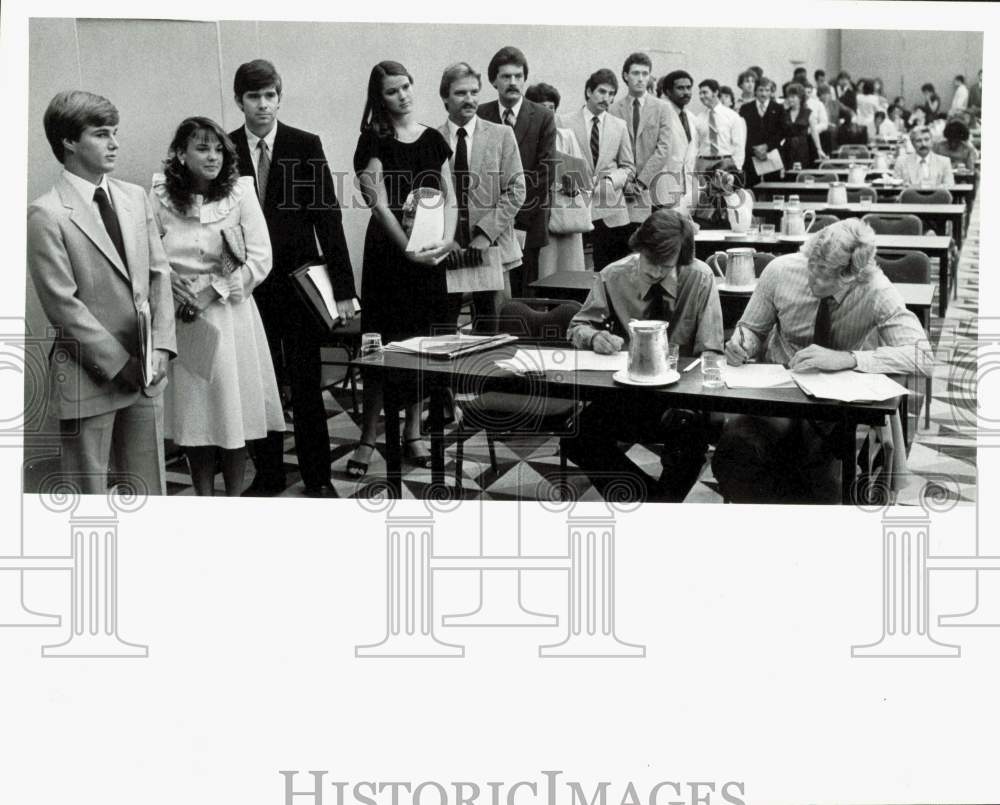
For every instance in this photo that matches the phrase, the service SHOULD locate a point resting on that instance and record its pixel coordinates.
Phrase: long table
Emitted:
(936, 246)
(962, 175)
(814, 190)
(935, 215)
(405, 375)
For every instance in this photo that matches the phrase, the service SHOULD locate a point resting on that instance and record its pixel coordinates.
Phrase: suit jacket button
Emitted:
(138, 298)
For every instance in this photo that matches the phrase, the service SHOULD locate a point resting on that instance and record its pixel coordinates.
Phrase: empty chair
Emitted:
(936, 195)
(816, 177)
(828, 165)
(823, 221)
(859, 151)
(912, 267)
(854, 196)
(894, 224)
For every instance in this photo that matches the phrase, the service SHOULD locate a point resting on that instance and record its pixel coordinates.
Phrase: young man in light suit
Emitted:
(535, 129)
(95, 258)
(604, 140)
(924, 167)
(648, 123)
(681, 183)
(489, 182)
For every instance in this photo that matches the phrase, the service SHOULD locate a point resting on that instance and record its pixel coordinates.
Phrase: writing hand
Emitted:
(605, 343)
(815, 358)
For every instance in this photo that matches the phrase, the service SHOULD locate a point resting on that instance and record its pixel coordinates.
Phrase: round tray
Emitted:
(672, 376)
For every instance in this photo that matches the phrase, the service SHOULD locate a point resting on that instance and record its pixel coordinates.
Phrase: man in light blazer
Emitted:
(923, 167)
(680, 182)
(489, 182)
(648, 125)
(95, 258)
(604, 140)
(535, 129)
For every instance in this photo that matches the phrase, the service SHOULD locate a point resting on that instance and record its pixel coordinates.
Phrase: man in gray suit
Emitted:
(648, 124)
(488, 180)
(95, 258)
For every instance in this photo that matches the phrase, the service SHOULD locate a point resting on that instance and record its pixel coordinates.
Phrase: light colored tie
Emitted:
(263, 169)
(713, 133)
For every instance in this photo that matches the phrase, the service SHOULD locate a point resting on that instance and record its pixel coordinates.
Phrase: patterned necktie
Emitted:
(636, 109)
(685, 124)
(110, 222)
(595, 139)
(263, 169)
(657, 309)
(462, 180)
(508, 117)
(823, 334)
(713, 133)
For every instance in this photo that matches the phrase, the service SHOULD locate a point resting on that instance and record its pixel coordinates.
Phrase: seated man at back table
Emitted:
(923, 167)
(660, 280)
(826, 308)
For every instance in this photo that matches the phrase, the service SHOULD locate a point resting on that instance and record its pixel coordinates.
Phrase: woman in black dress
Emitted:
(800, 129)
(403, 294)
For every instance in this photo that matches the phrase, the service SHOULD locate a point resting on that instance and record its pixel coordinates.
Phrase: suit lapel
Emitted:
(609, 140)
(523, 122)
(82, 214)
(276, 154)
(580, 129)
(479, 136)
(128, 221)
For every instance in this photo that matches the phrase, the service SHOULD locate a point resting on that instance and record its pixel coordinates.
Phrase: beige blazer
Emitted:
(651, 149)
(907, 168)
(497, 190)
(91, 299)
(615, 162)
(680, 185)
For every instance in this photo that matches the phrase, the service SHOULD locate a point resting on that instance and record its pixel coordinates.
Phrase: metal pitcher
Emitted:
(647, 349)
(738, 268)
(836, 196)
(793, 222)
(856, 174)
(881, 163)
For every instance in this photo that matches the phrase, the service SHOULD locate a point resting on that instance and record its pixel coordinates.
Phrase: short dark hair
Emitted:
(673, 76)
(960, 78)
(69, 113)
(955, 131)
(928, 87)
(666, 237)
(456, 72)
(711, 83)
(818, 74)
(795, 90)
(255, 75)
(541, 92)
(799, 70)
(743, 77)
(636, 58)
(725, 89)
(843, 74)
(879, 114)
(866, 86)
(503, 57)
(757, 71)
(602, 76)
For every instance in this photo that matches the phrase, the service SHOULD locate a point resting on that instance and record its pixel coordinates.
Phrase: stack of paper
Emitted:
(756, 376)
(449, 346)
(848, 386)
(564, 360)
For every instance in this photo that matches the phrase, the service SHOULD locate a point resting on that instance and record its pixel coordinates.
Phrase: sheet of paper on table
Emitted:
(756, 376)
(546, 360)
(848, 386)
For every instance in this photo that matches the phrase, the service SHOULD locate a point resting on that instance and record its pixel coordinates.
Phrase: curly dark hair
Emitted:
(180, 187)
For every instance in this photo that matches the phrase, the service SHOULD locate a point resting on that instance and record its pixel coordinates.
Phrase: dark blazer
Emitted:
(847, 97)
(770, 129)
(535, 130)
(300, 205)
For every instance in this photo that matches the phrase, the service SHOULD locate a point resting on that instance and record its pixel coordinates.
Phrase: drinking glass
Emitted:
(711, 370)
(779, 201)
(797, 166)
(673, 355)
(371, 345)
(865, 201)
(809, 179)
(767, 231)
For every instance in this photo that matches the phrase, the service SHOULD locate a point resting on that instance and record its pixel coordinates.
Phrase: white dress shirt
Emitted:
(87, 188)
(470, 129)
(253, 139)
(731, 134)
(819, 113)
(515, 109)
(960, 100)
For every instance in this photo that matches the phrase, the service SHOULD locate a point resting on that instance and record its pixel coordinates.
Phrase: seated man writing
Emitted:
(826, 308)
(660, 280)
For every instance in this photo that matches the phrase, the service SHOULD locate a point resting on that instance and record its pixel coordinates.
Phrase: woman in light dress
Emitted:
(222, 389)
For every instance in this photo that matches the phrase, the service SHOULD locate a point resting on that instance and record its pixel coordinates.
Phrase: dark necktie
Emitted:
(636, 109)
(685, 124)
(462, 180)
(823, 334)
(110, 222)
(657, 304)
(263, 169)
(508, 117)
(595, 140)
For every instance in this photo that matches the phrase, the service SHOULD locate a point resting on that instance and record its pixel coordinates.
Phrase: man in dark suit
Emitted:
(845, 91)
(297, 194)
(765, 130)
(535, 129)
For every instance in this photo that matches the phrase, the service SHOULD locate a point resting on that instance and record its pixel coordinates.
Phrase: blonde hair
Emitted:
(845, 249)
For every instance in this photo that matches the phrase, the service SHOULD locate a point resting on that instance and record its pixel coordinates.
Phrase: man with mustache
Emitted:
(605, 142)
(297, 195)
(535, 131)
(924, 167)
(675, 88)
(488, 180)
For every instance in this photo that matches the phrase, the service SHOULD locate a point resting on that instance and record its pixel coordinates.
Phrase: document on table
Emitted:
(546, 360)
(848, 386)
(756, 376)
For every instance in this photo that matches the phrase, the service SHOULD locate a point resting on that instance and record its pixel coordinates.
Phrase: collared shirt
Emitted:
(870, 320)
(253, 139)
(692, 301)
(819, 113)
(87, 188)
(762, 109)
(933, 169)
(731, 133)
(515, 110)
(470, 129)
(960, 100)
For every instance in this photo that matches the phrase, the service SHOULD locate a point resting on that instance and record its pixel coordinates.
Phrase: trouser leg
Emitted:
(312, 439)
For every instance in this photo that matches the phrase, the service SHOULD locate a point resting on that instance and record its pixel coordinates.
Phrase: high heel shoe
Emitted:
(411, 455)
(356, 468)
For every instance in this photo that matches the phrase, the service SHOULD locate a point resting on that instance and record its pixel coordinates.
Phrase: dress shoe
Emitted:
(259, 489)
(321, 491)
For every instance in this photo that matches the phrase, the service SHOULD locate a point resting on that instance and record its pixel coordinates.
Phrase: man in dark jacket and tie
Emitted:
(765, 131)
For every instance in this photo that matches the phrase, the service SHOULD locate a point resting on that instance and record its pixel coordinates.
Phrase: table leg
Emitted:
(848, 460)
(958, 231)
(435, 424)
(393, 459)
(943, 287)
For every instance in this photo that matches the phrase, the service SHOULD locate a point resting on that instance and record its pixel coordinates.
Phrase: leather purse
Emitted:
(234, 249)
(570, 214)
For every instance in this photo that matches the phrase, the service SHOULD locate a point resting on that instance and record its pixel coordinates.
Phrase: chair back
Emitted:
(828, 165)
(894, 224)
(854, 196)
(847, 151)
(915, 195)
(760, 261)
(817, 177)
(823, 221)
(905, 266)
(537, 319)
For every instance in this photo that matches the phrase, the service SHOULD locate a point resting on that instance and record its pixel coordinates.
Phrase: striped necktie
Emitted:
(595, 139)
(263, 169)
(508, 117)
(713, 133)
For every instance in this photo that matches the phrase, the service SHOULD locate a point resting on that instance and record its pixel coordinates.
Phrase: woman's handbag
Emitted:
(234, 249)
(570, 214)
